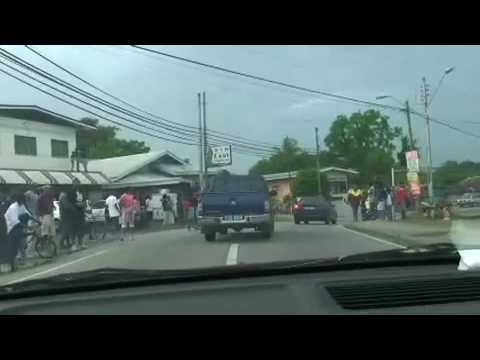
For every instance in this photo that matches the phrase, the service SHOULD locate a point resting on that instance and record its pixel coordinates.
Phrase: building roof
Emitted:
(117, 168)
(293, 174)
(144, 180)
(37, 113)
(51, 177)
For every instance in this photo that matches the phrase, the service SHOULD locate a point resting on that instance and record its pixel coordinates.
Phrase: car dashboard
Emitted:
(437, 289)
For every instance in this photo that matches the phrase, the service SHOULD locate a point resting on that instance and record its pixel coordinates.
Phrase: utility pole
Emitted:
(200, 172)
(205, 143)
(425, 94)
(318, 163)
(410, 132)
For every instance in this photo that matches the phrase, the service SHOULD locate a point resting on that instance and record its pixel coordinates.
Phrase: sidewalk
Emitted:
(410, 232)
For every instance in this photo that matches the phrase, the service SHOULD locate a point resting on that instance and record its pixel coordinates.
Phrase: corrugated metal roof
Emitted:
(119, 167)
(143, 180)
(46, 177)
(37, 113)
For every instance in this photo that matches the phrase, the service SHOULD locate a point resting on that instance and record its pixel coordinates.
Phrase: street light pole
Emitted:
(319, 179)
(410, 132)
(429, 140)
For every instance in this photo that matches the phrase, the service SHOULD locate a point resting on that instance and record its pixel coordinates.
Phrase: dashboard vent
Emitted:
(406, 293)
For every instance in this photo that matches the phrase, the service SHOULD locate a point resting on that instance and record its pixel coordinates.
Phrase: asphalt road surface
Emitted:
(177, 249)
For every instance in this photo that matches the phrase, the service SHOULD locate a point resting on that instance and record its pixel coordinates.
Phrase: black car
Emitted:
(314, 208)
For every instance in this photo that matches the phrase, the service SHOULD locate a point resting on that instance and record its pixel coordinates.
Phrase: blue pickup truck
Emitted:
(235, 202)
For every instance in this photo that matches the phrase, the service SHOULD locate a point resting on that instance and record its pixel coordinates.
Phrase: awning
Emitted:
(47, 177)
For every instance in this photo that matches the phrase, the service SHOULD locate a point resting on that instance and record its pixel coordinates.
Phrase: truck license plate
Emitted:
(233, 219)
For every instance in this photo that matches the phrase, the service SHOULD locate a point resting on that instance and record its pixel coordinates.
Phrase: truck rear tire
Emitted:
(210, 236)
(267, 231)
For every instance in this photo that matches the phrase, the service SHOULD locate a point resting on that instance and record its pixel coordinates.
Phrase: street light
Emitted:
(427, 116)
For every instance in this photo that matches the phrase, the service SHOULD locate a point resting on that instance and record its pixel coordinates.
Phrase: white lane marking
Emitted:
(375, 238)
(232, 257)
(57, 267)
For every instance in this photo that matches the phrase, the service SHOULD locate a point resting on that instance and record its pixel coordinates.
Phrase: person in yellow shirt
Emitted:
(354, 197)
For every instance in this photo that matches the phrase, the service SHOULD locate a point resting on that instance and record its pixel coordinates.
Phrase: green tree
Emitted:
(306, 183)
(103, 142)
(366, 142)
(291, 157)
(452, 173)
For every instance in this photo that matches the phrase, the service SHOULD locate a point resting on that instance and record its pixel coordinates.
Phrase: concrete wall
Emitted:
(44, 133)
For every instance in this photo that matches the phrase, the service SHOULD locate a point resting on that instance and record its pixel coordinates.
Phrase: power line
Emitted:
(110, 120)
(263, 79)
(296, 87)
(82, 108)
(129, 104)
(240, 151)
(63, 83)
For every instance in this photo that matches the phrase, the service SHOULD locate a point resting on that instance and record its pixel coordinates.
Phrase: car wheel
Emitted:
(334, 221)
(296, 220)
(210, 236)
(305, 221)
(267, 231)
(223, 232)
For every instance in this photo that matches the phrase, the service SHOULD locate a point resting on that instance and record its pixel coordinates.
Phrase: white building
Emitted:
(35, 148)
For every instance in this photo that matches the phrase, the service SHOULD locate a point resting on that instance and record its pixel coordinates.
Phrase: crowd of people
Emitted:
(378, 201)
(20, 211)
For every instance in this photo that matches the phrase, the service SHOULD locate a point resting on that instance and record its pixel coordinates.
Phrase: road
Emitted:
(176, 249)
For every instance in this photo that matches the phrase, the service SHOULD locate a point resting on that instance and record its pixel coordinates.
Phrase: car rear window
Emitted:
(99, 205)
(314, 200)
(238, 183)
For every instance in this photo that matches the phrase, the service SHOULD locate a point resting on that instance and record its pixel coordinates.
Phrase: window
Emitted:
(59, 148)
(25, 145)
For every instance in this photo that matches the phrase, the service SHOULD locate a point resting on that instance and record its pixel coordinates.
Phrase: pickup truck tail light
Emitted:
(298, 207)
(267, 205)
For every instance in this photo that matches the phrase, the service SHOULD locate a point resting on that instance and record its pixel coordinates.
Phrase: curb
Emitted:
(403, 240)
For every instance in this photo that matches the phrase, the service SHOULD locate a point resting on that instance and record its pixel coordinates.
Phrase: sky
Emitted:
(264, 112)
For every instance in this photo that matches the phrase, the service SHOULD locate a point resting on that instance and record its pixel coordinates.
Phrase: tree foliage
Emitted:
(306, 183)
(453, 173)
(366, 142)
(291, 157)
(103, 142)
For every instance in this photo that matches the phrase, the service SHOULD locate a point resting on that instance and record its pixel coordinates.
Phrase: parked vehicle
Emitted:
(469, 200)
(314, 208)
(96, 212)
(236, 202)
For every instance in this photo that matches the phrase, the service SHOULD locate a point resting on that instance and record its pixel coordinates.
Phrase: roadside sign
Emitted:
(221, 155)
(413, 164)
(415, 188)
(412, 177)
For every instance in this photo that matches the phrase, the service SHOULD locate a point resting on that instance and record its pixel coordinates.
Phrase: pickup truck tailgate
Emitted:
(236, 203)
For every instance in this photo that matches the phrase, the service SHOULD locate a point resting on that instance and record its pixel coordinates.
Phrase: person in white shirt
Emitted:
(16, 218)
(113, 211)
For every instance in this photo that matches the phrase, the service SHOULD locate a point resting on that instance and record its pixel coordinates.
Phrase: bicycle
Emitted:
(45, 248)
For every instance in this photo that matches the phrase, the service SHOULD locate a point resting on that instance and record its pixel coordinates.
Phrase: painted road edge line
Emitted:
(375, 238)
(232, 256)
(57, 267)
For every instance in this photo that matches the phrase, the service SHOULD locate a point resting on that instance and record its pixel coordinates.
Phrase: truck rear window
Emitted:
(238, 183)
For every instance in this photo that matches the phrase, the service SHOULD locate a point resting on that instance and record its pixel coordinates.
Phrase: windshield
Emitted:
(177, 157)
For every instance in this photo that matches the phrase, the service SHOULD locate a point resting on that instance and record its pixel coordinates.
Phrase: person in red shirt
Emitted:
(127, 209)
(401, 198)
